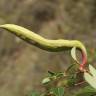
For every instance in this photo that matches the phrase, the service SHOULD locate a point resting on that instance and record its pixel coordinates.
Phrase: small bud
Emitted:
(46, 80)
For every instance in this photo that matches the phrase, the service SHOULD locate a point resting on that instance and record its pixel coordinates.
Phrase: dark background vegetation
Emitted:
(22, 66)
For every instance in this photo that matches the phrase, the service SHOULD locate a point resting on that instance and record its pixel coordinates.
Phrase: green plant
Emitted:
(73, 76)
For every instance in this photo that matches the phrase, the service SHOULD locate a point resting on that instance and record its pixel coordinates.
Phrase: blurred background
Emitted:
(23, 66)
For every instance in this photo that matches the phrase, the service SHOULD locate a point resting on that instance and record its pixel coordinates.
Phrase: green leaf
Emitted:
(92, 70)
(58, 91)
(51, 73)
(91, 79)
(87, 91)
(87, 94)
(73, 54)
(60, 74)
